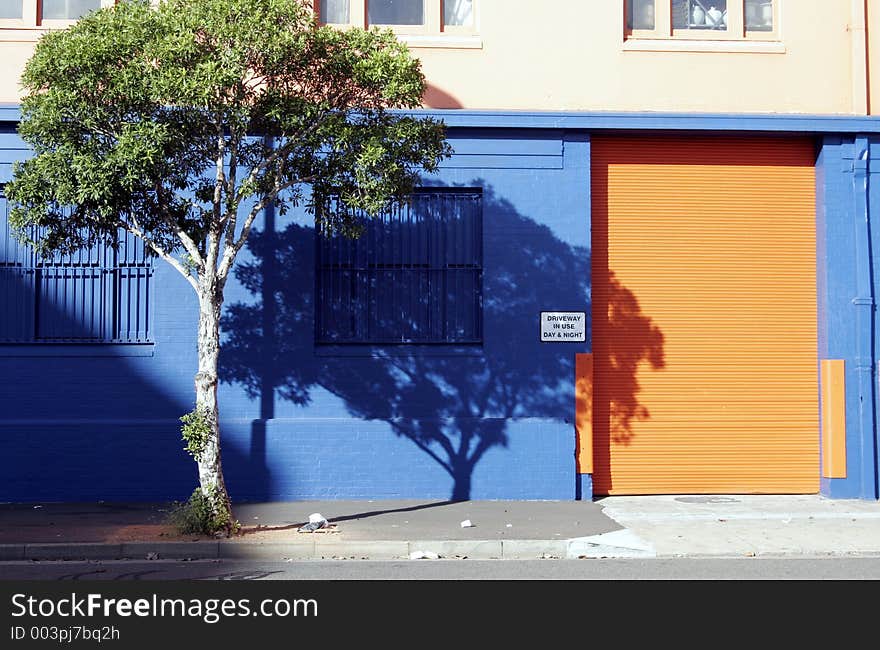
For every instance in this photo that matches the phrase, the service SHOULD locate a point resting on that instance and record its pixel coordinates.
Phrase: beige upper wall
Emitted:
(527, 55)
(577, 59)
(873, 21)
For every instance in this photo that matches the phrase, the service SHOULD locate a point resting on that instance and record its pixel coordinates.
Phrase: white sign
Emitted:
(563, 326)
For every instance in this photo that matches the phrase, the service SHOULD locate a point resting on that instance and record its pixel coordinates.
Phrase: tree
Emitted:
(181, 122)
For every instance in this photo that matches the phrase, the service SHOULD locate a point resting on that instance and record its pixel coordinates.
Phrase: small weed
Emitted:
(196, 516)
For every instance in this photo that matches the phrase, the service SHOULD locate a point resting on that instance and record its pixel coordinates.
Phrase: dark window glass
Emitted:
(334, 11)
(414, 275)
(640, 14)
(396, 12)
(699, 14)
(759, 16)
(96, 295)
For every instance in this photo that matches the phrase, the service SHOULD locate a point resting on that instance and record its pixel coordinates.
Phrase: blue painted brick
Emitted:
(300, 422)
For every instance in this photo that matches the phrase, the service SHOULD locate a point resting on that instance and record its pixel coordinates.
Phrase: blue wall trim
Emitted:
(757, 122)
(493, 119)
(584, 489)
(78, 350)
(847, 204)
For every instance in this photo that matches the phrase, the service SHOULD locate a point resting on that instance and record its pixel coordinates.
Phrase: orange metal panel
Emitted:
(584, 412)
(704, 308)
(833, 418)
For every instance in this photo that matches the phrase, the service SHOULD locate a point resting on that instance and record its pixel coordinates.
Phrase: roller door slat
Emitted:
(704, 315)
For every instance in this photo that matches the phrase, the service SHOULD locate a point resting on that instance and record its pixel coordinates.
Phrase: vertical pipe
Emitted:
(268, 342)
(864, 305)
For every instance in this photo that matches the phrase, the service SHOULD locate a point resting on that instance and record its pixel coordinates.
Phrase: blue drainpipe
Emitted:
(864, 304)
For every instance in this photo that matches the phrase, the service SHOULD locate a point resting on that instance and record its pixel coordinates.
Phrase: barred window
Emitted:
(96, 295)
(415, 274)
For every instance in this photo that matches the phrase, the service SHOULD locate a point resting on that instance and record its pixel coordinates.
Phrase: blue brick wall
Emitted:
(485, 422)
(847, 236)
(493, 421)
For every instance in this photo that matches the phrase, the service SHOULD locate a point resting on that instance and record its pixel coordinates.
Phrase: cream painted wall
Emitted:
(873, 22)
(575, 58)
(572, 56)
(13, 56)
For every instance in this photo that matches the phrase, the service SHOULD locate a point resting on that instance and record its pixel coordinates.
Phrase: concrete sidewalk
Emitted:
(749, 525)
(642, 526)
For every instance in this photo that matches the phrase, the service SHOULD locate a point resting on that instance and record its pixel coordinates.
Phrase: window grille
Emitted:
(414, 275)
(97, 295)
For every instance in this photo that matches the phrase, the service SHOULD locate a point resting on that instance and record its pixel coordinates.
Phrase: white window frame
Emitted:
(736, 30)
(31, 16)
(433, 25)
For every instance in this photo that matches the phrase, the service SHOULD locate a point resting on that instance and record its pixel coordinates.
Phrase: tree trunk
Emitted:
(461, 477)
(210, 468)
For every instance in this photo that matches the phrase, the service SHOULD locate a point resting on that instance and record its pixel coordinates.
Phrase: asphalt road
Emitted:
(855, 568)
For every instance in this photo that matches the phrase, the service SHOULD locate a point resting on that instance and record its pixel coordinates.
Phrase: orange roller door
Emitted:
(704, 310)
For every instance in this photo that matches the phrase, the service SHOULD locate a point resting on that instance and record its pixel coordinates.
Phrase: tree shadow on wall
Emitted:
(626, 339)
(453, 405)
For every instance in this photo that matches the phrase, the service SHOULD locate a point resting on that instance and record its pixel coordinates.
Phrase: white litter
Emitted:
(316, 521)
(423, 555)
(467, 524)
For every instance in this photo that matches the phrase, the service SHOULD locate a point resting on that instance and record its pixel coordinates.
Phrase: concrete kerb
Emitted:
(293, 550)
(73, 551)
(313, 549)
(473, 549)
(11, 552)
(617, 544)
(201, 550)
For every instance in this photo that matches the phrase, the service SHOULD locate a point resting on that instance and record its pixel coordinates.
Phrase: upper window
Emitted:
(46, 13)
(702, 19)
(414, 275)
(404, 16)
(68, 9)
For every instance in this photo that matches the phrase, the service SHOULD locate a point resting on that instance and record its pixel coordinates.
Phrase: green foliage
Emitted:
(197, 431)
(197, 516)
(129, 109)
(179, 122)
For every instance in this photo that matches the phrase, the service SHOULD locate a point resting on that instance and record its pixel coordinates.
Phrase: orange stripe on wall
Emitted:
(584, 412)
(704, 307)
(833, 418)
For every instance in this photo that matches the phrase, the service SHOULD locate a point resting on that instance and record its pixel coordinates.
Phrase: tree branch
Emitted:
(283, 150)
(231, 215)
(137, 231)
(230, 252)
(187, 241)
(216, 228)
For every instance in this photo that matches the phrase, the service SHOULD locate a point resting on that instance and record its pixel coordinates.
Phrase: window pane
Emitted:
(68, 9)
(396, 12)
(334, 11)
(699, 14)
(10, 9)
(640, 14)
(759, 16)
(413, 276)
(458, 12)
(100, 294)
